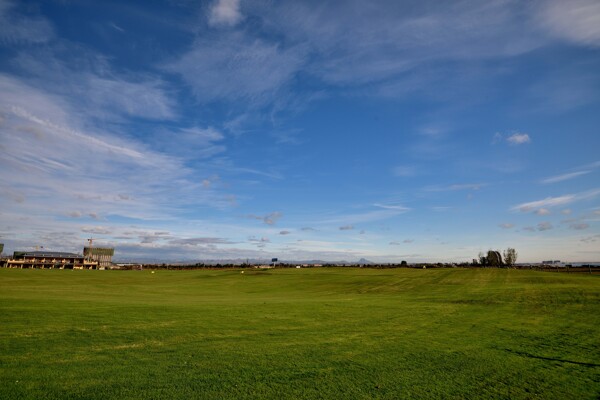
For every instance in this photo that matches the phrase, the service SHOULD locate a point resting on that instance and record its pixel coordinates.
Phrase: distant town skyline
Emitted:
(229, 129)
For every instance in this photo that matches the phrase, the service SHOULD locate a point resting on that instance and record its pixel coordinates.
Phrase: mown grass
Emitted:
(288, 334)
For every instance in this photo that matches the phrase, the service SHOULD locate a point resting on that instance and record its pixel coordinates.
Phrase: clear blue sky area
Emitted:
(303, 130)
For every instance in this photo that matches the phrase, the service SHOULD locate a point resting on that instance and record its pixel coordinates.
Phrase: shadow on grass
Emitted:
(524, 354)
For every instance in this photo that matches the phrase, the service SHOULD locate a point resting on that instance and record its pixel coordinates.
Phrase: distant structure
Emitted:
(552, 262)
(101, 255)
(48, 259)
(92, 258)
(1, 247)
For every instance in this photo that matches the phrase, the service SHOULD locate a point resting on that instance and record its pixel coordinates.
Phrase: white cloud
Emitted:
(518, 138)
(544, 226)
(542, 211)
(566, 211)
(564, 177)
(506, 225)
(225, 12)
(577, 21)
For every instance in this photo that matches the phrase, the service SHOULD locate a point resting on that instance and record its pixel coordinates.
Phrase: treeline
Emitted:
(296, 266)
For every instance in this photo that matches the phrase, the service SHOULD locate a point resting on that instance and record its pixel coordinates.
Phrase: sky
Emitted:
(302, 130)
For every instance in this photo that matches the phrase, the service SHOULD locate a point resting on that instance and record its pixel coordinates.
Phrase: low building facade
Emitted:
(50, 260)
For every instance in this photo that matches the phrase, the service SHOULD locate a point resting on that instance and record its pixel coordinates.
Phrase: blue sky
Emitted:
(386, 130)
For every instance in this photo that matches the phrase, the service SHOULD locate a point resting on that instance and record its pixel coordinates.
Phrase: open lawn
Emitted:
(329, 333)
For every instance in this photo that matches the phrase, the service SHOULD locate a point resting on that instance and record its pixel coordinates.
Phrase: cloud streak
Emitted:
(550, 202)
(564, 177)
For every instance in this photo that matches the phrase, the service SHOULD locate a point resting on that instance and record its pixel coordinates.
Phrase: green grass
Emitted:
(290, 334)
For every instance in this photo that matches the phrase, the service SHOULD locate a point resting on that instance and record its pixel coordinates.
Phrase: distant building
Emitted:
(552, 262)
(48, 259)
(102, 255)
(1, 247)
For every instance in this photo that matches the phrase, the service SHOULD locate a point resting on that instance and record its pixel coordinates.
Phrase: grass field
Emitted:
(339, 333)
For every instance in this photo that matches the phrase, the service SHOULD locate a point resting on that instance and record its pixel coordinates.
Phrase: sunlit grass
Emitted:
(309, 333)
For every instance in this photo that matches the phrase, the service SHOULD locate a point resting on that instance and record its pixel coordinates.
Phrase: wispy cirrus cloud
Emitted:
(387, 40)
(149, 184)
(550, 202)
(17, 28)
(404, 171)
(576, 21)
(233, 66)
(395, 207)
(199, 241)
(350, 219)
(456, 186)
(582, 170)
(115, 95)
(564, 177)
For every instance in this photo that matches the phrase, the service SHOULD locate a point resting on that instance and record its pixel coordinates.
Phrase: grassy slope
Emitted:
(322, 333)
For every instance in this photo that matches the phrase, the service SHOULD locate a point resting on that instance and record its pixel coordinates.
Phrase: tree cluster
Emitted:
(493, 258)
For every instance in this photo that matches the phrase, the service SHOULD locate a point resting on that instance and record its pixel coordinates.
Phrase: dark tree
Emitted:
(494, 258)
(510, 256)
